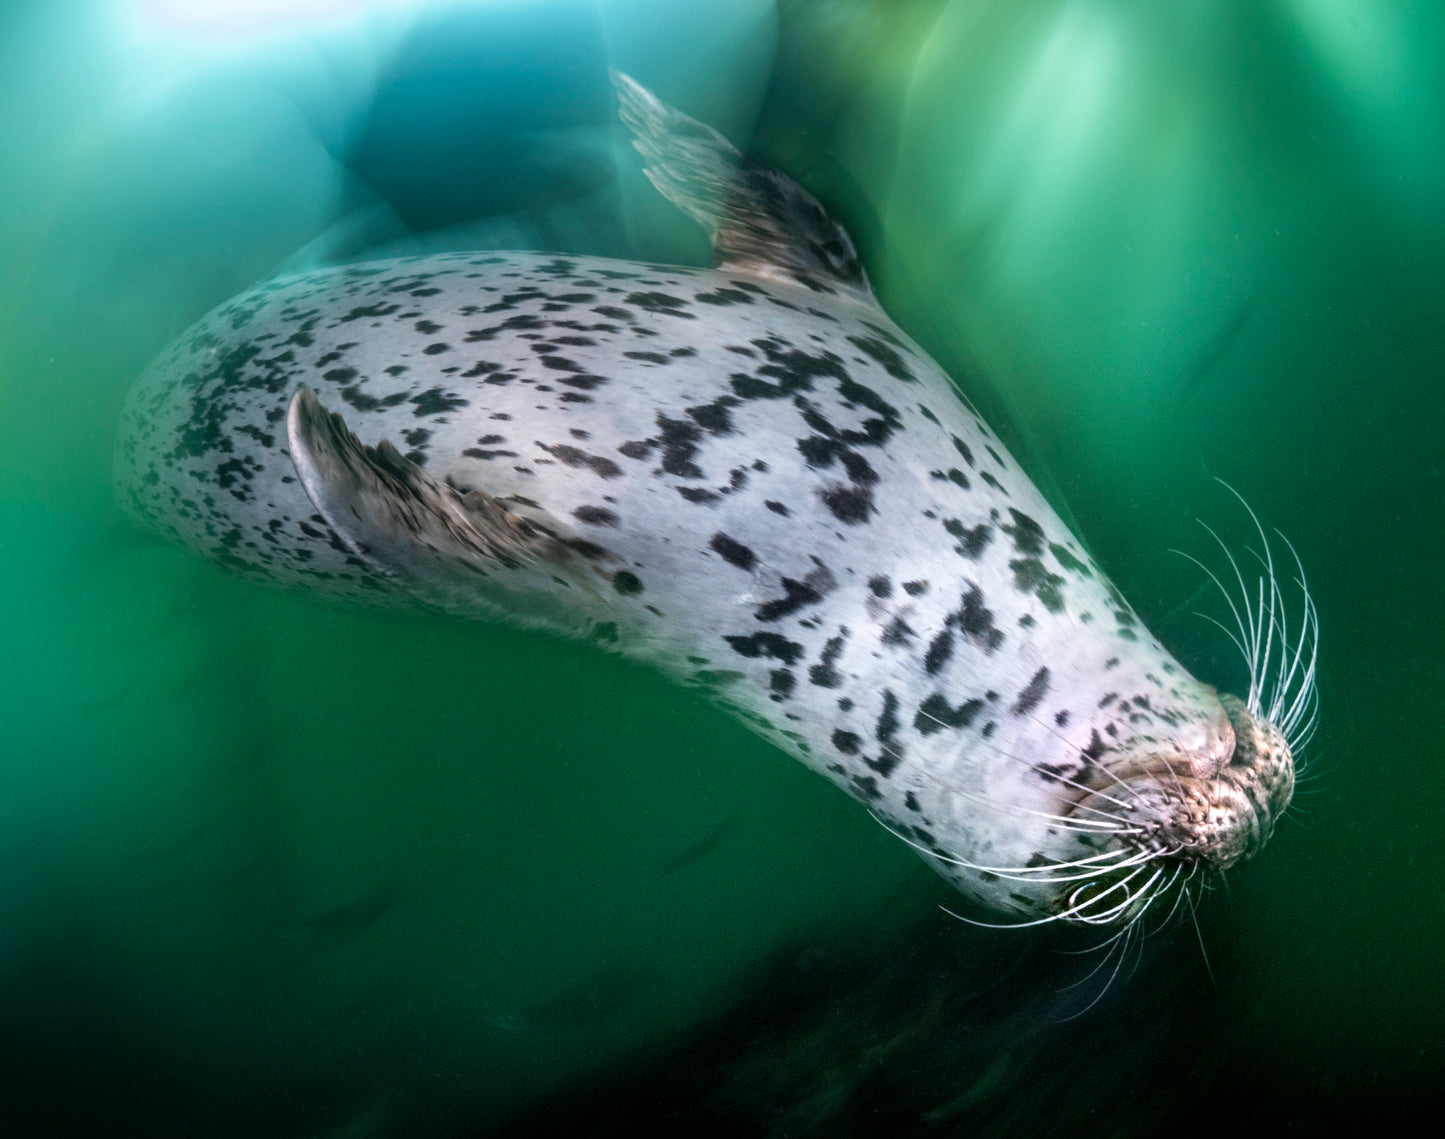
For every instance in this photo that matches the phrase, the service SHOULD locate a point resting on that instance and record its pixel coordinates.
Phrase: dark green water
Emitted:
(274, 868)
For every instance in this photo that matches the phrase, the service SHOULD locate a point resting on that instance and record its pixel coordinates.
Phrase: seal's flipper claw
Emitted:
(762, 222)
(440, 543)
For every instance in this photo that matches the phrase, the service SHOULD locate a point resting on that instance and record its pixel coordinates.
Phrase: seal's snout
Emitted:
(1262, 768)
(1225, 817)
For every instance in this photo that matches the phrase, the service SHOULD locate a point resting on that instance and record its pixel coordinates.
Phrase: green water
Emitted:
(282, 869)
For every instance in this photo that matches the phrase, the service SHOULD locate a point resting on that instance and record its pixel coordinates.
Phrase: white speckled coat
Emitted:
(746, 475)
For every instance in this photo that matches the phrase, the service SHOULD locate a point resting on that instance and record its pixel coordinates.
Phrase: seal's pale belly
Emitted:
(759, 484)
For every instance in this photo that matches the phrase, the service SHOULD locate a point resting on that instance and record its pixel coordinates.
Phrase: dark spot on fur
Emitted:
(1030, 576)
(976, 621)
(897, 633)
(771, 645)
(713, 417)
(434, 401)
(575, 457)
(1033, 692)
(867, 785)
(939, 651)
(658, 303)
(733, 551)
(972, 540)
(887, 733)
(781, 683)
(363, 402)
(1028, 535)
(797, 594)
(849, 504)
(823, 674)
(935, 714)
(1065, 558)
(679, 443)
(595, 515)
(725, 297)
(847, 742)
(892, 362)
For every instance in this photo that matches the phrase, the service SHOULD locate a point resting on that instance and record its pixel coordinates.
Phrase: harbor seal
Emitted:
(750, 477)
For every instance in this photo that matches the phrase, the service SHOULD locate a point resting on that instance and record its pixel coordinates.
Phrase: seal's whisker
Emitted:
(1005, 924)
(1268, 558)
(1293, 696)
(1278, 623)
(1161, 890)
(1122, 785)
(1095, 948)
(1286, 664)
(1199, 933)
(1090, 913)
(1073, 911)
(1128, 807)
(1092, 873)
(1279, 652)
(1118, 951)
(1108, 824)
(1227, 632)
(1309, 634)
(1179, 895)
(1251, 623)
(1303, 704)
(1243, 636)
(1305, 736)
(1120, 858)
(1108, 947)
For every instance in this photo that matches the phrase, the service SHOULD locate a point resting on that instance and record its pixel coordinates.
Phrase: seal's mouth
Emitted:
(1196, 810)
(1174, 813)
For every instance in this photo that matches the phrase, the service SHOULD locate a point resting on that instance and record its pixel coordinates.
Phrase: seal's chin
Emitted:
(1201, 808)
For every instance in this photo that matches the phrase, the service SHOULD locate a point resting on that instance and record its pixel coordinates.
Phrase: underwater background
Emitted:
(271, 867)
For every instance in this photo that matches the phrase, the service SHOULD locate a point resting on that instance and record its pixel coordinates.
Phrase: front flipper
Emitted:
(462, 552)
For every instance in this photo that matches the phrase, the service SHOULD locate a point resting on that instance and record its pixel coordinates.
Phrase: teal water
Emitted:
(275, 868)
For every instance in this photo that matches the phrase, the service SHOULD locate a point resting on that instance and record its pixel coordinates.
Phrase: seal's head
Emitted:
(1163, 798)
(1169, 815)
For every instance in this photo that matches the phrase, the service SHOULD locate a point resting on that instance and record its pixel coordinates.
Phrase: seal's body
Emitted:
(748, 476)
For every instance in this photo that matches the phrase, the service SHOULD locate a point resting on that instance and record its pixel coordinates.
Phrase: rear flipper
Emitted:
(762, 223)
(465, 553)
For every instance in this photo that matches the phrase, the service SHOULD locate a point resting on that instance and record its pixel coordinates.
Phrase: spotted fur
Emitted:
(747, 475)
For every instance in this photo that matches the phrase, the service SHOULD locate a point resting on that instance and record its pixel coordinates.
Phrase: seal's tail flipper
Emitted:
(456, 550)
(762, 222)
